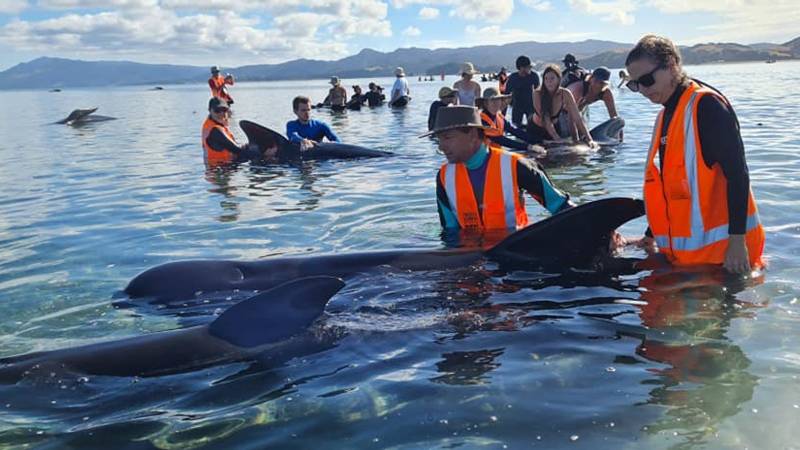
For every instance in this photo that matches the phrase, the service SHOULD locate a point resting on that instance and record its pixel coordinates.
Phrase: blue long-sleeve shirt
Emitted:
(315, 130)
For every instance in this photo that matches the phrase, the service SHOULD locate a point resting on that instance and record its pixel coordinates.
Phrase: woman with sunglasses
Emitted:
(549, 101)
(218, 142)
(697, 194)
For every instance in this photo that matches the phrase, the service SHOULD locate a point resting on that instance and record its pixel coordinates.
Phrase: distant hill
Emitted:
(708, 53)
(46, 73)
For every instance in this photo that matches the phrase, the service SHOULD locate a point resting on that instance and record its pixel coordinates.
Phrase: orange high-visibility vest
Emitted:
(217, 85)
(687, 203)
(213, 155)
(497, 124)
(503, 206)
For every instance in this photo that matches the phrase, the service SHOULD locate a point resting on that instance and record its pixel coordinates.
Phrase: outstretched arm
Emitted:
(575, 115)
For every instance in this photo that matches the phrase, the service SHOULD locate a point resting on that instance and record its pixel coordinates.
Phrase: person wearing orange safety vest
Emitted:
(219, 145)
(497, 125)
(696, 185)
(217, 84)
(479, 188)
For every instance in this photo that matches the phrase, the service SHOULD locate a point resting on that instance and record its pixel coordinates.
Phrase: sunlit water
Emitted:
(547, 362)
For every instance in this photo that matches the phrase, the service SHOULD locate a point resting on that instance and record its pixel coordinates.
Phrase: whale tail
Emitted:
(572, 238)
(276, 314)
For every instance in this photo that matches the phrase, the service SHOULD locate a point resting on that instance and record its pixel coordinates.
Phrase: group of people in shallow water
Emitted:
(551, 110)
(699, 205)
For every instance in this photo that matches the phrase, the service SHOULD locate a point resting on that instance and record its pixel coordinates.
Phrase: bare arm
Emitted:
(575, 115)
(543, 118)
(611, 106)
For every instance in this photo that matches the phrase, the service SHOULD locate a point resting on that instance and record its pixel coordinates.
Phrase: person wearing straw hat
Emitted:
(447, 97)
(337, 95)
(400, 87)
(491, 116)
(468, 90)
(480, 188)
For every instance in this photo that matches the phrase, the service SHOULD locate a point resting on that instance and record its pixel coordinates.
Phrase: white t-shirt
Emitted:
(400, 88)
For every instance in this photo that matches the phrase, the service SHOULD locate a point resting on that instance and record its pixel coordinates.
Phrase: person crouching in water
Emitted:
(492, 103)
(549, 102)
(447, 97)
(700, 208)
(472, 187)
(219, 145)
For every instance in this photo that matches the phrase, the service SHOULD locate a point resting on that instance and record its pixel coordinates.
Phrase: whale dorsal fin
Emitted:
(266, 138)
(571, 237)
(77, 114)
(276, 314)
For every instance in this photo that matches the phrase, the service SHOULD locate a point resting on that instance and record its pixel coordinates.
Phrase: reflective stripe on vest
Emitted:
(699, 238)
(512, 207)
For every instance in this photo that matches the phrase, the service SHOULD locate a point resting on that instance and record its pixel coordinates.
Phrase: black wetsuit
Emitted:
(217, 139)
(432, 113)
(374, 98)
(722, 144)
(521, 90)
(508, 142)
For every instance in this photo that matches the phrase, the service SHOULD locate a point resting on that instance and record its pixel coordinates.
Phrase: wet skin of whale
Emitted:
(287, 150)
(270, 327)
(578, 237)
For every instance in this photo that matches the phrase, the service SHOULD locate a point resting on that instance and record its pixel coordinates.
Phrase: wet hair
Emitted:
(659, 50)
(547, 97)
(300, 100)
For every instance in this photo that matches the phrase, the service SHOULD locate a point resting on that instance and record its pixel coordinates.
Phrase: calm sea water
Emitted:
(640, 361)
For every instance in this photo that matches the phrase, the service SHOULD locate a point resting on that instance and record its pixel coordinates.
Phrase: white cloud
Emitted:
(428, 13)
(412, 31)
(495, 11)
(739, 20)
(618, 11)
(495, 35)
(538, 5)
(12, 6)
(106, 4)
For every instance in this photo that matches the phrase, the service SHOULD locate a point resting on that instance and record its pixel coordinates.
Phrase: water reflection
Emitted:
(705, 377)
(467, 368)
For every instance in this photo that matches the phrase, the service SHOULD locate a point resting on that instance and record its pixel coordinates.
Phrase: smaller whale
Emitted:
(83, 116)
(271, 327)
(287, 150)
(608, 133)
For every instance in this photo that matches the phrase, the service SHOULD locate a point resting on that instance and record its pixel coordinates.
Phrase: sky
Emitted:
(240, 32)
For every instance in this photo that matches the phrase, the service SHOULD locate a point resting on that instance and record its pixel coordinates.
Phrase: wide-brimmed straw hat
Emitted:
(468, 68)
(447, 92)
(459, 116)
(492, 93)
(399, 72)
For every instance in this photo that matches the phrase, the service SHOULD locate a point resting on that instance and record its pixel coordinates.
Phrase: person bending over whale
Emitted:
(479, 188)
(306, 131)
(497, 125)
(549, 102)
(218, 142)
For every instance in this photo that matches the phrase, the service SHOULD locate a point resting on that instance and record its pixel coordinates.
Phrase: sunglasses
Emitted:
(221, 110)
(645, 80)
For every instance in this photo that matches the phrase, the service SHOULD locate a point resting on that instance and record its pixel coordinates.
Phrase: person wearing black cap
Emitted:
(217, 83)
(479, 188)
(521, 85)
(358, 99)
(592, 88)
(572, 71)
(218, 142)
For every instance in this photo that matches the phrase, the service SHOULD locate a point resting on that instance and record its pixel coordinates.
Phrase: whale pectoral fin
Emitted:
(571, 237)
(610, 129)
(276, 314)
(263, 136)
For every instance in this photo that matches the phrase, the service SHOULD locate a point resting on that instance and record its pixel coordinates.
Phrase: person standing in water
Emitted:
(497, 125)
(521, 85)
(217, 85)
(700, 208)
(375, 96)
(468, 90)
(447, 97)
(337, 95)
(219, 144)
(306, 131)
(400, 87)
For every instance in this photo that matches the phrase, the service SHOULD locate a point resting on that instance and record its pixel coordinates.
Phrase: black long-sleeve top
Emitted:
(507, 142)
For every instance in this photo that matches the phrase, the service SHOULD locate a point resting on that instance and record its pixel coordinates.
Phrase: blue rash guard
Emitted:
(530, 176)
(315, 130)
